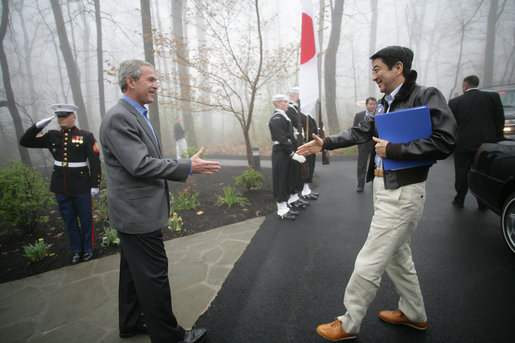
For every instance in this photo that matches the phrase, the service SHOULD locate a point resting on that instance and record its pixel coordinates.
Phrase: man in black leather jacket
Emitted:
(399, 195)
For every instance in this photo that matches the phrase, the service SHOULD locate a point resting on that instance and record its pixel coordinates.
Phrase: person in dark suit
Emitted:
(480, 119)
(73, 182)
(138, 204)
(364, 149)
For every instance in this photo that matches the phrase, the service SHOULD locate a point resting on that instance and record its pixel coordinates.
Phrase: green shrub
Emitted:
(24, 197)
(186, 200)
(175, 223)
(36, 252)
(110, 237)
(192, 151)
(231, 197)
(250, 179)
(100, 206)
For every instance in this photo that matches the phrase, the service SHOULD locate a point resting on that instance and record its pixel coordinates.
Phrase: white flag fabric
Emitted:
(308, 80)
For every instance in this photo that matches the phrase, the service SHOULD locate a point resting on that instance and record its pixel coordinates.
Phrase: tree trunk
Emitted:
(184, 75)
(9, 93)
(330, 66)
(100, 61)
(372, 87)
(71, 65)
(148, 45)
(490, 44)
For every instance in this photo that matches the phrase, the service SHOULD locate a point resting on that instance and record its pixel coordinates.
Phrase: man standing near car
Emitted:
(480, 119)
(399, 196)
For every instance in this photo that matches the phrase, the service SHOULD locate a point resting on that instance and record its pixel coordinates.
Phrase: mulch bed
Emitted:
(207, 216)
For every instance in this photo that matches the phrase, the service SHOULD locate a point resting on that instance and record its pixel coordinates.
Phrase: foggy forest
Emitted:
(219, 62)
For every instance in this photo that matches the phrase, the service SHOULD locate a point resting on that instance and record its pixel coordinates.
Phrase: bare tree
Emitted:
(184, 75)
(100, 60)
(372, 43)
(148, 46)
(330, 66)
(463, 24)
(493, 18)
(10, 101)
(71, 64)
(233, 61)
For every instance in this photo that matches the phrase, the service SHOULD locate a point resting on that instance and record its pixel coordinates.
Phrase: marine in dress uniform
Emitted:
(72, 181)
(283, 155)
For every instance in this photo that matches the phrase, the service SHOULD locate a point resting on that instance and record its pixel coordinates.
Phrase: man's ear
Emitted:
(399, 67)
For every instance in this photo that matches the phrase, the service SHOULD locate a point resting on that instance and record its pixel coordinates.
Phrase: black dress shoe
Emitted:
(457, 204)
(315, 194)
(87, 256)
(310, 197)
(141, 329)
(287, 216)
(76, 258)
(194, 336)
(293, 212)
(303, 202)
(297, 204)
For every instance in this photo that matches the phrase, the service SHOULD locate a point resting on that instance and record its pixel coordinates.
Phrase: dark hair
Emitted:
(472, 81)
(370, 99)
(393, 54)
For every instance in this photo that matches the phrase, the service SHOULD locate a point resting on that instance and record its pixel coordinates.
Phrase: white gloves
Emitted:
(298, 158)
(44, 122)
(94, 191)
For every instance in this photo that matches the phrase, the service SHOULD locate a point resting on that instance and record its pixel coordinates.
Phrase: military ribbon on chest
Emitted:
(77, 139)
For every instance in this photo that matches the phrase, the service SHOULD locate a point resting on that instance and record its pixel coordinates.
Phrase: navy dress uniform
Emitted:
(283, 152)
(73, 182)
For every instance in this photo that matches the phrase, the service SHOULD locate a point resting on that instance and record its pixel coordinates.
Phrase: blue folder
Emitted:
(402, 127)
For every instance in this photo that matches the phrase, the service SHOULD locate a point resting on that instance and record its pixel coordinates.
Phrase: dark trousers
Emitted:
(144, 287)
(78, 206)
(364, 151)
(462, 163)
(281, 162)
(310, 160)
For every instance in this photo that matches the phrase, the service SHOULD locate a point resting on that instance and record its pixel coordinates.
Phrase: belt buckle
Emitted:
(65, 164)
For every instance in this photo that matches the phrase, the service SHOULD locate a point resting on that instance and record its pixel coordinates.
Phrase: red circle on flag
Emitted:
(307, 42)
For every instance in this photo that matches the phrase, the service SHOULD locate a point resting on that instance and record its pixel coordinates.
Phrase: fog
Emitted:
(451, 39)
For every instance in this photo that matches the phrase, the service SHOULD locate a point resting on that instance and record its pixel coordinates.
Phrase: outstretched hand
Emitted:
(311, 147)
(201, 166)
(380, 147)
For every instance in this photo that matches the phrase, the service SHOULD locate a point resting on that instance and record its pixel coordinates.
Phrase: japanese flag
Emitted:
(308, 83)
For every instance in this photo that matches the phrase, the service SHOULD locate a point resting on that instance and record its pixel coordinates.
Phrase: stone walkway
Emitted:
(79, 303)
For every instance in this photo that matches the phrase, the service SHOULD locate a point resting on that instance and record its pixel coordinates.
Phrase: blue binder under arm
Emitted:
(402, 127)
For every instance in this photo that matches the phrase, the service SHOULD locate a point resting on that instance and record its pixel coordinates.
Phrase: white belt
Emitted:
(70, 164)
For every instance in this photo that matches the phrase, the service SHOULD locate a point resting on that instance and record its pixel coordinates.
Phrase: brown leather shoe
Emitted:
(397, 317)
(334, 331)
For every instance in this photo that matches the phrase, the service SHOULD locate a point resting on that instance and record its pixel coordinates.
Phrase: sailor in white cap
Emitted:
(308, 127)
(283, 152)
(72, 181)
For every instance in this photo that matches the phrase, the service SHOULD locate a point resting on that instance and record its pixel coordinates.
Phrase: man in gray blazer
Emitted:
(138, 204)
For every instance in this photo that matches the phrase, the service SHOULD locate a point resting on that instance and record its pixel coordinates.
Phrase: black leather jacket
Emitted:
(437, 147)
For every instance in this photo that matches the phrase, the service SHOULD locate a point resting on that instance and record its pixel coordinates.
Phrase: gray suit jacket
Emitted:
(138, 200)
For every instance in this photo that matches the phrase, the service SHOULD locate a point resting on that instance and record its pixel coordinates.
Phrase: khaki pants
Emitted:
(387, 248)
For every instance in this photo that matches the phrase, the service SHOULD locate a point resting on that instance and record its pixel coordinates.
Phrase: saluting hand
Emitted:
(380, 147)
(311, 147)
(201, 166)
